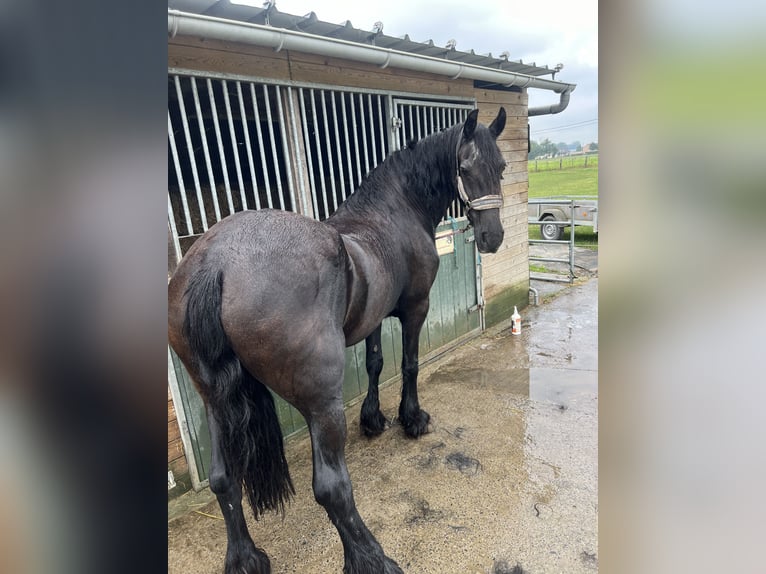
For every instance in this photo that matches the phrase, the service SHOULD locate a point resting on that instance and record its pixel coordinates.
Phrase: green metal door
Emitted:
(453, 313)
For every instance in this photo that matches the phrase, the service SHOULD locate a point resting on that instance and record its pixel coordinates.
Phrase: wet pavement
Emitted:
(507, 477)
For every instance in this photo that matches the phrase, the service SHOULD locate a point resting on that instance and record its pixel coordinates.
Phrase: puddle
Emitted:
(562, 387)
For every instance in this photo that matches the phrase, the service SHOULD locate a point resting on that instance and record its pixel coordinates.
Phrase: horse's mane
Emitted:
(420, 173)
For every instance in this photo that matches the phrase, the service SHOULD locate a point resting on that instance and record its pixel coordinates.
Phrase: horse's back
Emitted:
(283, 281)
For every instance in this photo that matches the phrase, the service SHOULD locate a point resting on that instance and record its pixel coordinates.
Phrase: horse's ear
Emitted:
(469, 127)
(497, 125)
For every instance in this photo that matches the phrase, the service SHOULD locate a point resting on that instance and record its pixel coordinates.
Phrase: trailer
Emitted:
(585, 214)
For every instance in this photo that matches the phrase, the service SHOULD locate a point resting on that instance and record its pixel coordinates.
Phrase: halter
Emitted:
(492, 201)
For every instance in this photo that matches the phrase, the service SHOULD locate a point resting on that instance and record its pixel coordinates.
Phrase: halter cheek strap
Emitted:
(492, 201)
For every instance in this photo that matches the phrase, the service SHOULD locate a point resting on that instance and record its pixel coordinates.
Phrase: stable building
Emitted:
(267, 109)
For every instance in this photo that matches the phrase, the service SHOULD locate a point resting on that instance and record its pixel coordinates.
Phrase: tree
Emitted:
(593, 146)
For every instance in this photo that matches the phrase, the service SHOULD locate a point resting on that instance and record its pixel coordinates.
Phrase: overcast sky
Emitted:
(549, 33)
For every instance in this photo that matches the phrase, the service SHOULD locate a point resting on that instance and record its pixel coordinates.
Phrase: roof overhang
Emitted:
(203, 26)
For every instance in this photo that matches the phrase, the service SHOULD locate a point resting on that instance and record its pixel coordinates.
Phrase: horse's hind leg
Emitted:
(414, 419)
(332, 489)
(371, 420)
(242, 556)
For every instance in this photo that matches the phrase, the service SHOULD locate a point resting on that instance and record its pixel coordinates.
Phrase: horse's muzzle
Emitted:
(489, 242)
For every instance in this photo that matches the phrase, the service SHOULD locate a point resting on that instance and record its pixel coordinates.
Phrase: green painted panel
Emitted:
(396, 336)
(390, 363)
(196, 418)
(351, 378)
(434, 318)
(285, 417)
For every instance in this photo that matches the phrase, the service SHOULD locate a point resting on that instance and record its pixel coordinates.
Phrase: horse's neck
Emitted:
(439, 186)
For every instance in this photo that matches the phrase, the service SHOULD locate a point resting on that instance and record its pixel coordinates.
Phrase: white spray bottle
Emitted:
(515, 322)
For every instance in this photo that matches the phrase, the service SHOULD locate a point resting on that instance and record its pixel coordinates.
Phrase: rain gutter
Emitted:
(198, 25)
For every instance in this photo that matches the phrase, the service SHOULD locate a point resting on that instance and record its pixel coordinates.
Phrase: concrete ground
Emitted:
(507, 477)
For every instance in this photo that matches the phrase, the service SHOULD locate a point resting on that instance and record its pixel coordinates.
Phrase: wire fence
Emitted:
(563, 162)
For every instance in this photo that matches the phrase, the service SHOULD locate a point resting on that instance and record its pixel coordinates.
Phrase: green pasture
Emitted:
(575, 180)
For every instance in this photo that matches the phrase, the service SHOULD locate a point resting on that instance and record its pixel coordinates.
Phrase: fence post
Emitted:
(586, 161)
(561, 160)
(571, 240)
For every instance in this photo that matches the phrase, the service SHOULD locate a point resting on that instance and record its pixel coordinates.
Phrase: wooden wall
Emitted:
(506, 273)
(176, 456)
(231, 58)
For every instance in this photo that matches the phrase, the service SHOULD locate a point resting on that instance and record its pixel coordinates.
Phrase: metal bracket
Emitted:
(470, 239)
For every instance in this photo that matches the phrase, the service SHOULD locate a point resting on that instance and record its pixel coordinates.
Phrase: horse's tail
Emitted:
(251, 438)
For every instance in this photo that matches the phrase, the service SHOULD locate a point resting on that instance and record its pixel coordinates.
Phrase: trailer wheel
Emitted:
(551, 231)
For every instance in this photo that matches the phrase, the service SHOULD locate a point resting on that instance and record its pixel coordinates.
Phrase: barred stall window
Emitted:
(236, 144)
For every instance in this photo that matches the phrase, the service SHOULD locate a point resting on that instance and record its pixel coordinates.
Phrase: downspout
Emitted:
(555, 108)
(197, 25)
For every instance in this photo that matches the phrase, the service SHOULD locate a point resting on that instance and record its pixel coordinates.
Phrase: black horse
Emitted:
(271, 299)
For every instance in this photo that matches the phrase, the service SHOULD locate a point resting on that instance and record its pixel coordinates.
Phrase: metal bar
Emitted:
(432, 126)
(348, 146)
(550, 202)
(391, 130)
(411, 120)
(356, 139)
(273, 149)
(307, 140)
(339, 155)
(550, 241)
(179, 177)
(234, 146)
(319, 159)
(572, 241)
(551, 259)
(203, 137)
(219, 140)
(328, 152)
(285, 149)
(364, 134)
(261, 152)
(174, 231)
(417, 117)
(300, 153)
(554, 278)
(372, 131)
(565, 223)
(190, 153)
(248, 145)
(382, 128)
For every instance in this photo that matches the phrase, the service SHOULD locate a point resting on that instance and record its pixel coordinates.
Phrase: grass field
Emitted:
(573, 181)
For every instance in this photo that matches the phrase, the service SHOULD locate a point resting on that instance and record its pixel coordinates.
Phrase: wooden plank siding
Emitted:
(231, 58)
(506, 273)
(176, 457)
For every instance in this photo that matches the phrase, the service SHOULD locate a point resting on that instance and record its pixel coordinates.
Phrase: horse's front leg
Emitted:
(371, 420)
(414, 419)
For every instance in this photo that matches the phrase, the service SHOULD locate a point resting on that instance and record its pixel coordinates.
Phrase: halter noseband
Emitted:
(492, 201)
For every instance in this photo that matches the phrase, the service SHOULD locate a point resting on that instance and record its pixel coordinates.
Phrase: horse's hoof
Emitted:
(391, 567)
(247, 559)
(374, 425)
(419, 425)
